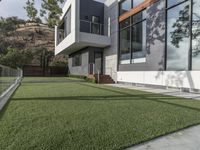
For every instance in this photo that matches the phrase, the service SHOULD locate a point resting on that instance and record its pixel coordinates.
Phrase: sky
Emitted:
(10, 8)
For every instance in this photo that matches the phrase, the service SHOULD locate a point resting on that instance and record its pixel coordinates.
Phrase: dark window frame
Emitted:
(134, 24)
(130, 28)
(190, 30)
(96, 24)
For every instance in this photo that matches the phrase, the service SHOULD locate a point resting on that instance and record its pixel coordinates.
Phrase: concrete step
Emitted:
(104, 79)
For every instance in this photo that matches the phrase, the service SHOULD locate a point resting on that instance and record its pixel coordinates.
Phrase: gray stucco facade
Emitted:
(87, 61)
(110, 58)
(155, 41)
(140, 51)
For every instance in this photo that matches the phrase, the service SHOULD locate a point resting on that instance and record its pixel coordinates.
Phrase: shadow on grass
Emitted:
(148, 97)
(62, 81)
(120, 96)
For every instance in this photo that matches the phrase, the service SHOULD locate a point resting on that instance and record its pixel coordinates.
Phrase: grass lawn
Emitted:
(84, 116)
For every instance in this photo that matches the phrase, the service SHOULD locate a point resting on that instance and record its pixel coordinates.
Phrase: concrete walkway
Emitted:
(187, 139)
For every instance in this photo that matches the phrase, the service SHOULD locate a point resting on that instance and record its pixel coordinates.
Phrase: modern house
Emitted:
(143, 42)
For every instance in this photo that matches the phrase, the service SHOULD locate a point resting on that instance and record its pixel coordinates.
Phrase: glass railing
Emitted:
(8, 78)
(91, 27)
(60, 35)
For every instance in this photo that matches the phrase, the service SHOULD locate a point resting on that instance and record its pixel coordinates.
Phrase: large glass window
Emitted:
(196, 36)
(133, 37)
(178, 37)
(67, 23)
(77, 60)
(139, 37)
(125, 6)
(95, 25)
(138, 33)
(171, 3)
(125, 45)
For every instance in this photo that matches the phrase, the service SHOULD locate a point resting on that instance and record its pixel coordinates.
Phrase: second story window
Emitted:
(67, 23)
(95, 25)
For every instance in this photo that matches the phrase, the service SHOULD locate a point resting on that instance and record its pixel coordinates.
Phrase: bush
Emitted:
(92, 80)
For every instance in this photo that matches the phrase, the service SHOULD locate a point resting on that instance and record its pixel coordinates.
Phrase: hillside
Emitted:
(36, 38)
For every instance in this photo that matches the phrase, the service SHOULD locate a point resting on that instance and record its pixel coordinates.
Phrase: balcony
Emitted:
(90, 34)
(91, 27)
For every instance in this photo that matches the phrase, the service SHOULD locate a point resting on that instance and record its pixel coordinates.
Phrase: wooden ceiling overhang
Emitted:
(136, 9)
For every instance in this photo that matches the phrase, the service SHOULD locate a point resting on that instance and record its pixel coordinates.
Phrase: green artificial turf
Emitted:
(85, 116)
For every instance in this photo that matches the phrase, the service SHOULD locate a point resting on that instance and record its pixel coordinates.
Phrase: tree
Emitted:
(182, 30)
(8, 27)
(15, 58)
(45, 58)
(53, 11)
(31, 10)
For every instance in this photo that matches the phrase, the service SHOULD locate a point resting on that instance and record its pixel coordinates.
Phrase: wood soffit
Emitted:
(136, 9)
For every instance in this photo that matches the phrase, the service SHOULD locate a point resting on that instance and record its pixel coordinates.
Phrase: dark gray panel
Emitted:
(89, 8)
(155, 55)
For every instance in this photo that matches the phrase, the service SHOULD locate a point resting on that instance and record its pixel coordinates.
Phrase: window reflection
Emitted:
(196, 36)
(125, 24)
(178, 37)
(137, 2)
(67, 23)
(125, 44)
(125, 6)
(171, 3)
(139, 34)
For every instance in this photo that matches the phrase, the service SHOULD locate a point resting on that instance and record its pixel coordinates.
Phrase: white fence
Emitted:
(9, 78)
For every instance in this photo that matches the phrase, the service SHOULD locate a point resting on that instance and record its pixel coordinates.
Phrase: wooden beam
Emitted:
(136, 9)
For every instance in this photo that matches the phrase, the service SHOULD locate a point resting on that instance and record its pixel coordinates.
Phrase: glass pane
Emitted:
(139, 17)
(173, 2)
(139, 37)
(125, 23)
(196, 36)
(137, 2)
(125, 44)
(125, 6)
(67, 23)
(95, 28)
(178, 41)
(95, 19)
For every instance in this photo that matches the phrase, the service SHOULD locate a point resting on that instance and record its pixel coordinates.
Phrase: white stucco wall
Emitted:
(178, 79)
